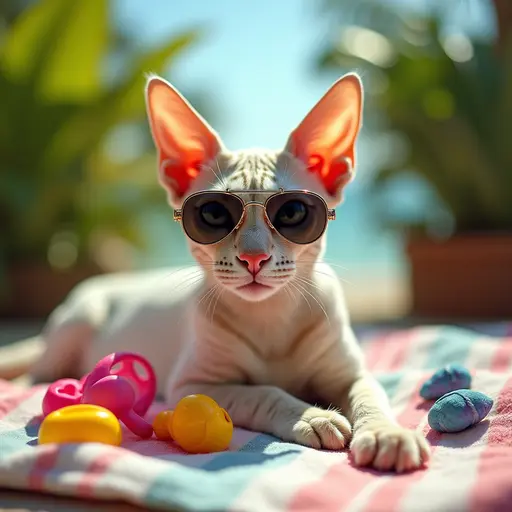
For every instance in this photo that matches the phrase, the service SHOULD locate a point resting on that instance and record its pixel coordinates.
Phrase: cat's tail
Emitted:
(16, 359)
(56, 353)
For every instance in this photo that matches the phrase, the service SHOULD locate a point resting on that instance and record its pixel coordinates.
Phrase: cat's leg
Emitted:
(17, 358)
(271, 410)
(378, 440)
(341, 378)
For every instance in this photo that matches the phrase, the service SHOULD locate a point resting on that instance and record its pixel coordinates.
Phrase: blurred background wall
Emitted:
(426, 226)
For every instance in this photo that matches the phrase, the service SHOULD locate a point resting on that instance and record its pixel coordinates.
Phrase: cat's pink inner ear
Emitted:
(184, 140)
(325, 139)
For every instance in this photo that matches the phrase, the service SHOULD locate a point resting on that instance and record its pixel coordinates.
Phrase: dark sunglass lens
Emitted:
(207, 218)
(290, 214)
(299, 217)
(215, 214)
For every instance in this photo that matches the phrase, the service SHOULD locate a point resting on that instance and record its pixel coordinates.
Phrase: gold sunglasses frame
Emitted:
(330, 212)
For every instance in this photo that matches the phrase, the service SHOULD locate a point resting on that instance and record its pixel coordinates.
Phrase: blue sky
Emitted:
(257, 57)
(256, 61)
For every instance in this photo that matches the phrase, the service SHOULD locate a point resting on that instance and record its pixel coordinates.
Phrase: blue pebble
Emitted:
(449, 378)
(459, 410)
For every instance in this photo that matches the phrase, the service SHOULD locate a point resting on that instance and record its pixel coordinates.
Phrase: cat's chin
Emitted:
(255, 292)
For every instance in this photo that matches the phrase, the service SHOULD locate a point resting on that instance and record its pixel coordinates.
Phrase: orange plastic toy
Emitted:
(198, 425)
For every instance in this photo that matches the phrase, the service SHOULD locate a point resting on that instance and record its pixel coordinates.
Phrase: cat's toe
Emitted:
(389, 447)
(318, 428)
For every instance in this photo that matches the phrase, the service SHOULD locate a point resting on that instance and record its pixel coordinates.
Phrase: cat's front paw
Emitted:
(319, 428)
(386, 446)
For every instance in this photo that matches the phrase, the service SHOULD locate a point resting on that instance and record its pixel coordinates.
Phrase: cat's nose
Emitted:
(254, 262)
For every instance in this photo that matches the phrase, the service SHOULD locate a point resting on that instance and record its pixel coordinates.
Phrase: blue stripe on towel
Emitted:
(214, 486)
(452, 345)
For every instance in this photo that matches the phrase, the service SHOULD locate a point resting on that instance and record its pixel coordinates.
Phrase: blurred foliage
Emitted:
(447, 97)
(76, 159)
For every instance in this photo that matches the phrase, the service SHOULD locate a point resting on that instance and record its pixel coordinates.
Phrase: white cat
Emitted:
(261, 325)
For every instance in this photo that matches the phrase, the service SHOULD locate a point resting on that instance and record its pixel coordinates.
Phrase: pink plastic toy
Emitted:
(114, 384)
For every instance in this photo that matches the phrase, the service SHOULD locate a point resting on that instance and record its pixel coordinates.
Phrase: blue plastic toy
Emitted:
(458, 410)
(449, 378)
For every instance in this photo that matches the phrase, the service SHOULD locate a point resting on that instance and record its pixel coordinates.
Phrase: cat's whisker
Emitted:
(190, 282)
(207, 294)
(171, 274)
(219, 295)
(319, 302)
(316, 271)
(189, 268)
(300, 291)
(313, 269)
(308, 282)
(342, 279)
(289, 292)
(213, 298)
(191, 272)
(220, 177)
(196, 274)
(210, 297)
(221, 181)
(192, 277)
(287, 172)
(223, 178)
(327, 262)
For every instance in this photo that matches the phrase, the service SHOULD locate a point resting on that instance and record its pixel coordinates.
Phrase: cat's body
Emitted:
(171, 308)
(261, 326)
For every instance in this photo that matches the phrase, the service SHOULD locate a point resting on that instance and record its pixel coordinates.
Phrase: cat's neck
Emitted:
(284, 314)
(278, 321)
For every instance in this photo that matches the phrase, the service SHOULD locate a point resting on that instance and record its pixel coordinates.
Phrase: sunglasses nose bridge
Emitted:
(263, 207)
(254, 203)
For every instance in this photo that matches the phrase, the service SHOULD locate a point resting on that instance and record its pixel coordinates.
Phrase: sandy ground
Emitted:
(377, 298)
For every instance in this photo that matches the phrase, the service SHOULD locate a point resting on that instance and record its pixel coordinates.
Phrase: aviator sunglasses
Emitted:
(299, 216)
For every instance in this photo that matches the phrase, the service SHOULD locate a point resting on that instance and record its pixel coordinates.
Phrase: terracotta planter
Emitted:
(465, 277)
(34, 290)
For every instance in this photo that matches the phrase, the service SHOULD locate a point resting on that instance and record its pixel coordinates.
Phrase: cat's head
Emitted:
(253, 259)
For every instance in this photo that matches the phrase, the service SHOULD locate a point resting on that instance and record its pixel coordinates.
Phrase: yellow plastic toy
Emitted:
(82, 423)
(198, 425)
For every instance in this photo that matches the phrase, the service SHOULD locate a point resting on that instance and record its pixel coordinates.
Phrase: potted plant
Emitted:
(447, 101)
(67, 203)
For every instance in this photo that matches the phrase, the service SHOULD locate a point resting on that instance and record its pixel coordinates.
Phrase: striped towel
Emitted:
(469, 471)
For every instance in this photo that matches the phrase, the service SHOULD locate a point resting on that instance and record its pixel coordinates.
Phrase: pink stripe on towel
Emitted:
(44, 464)
(87, 485)
(495, 467)
(341, 484)
(15, 399)
(389, 352)
(502, 359)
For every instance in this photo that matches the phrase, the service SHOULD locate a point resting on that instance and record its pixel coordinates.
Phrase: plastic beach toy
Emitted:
(197, 424)
(114, 384)
(82, 423)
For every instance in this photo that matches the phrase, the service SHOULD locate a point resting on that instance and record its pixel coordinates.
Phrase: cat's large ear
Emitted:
(183, 138)
(325, 139)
